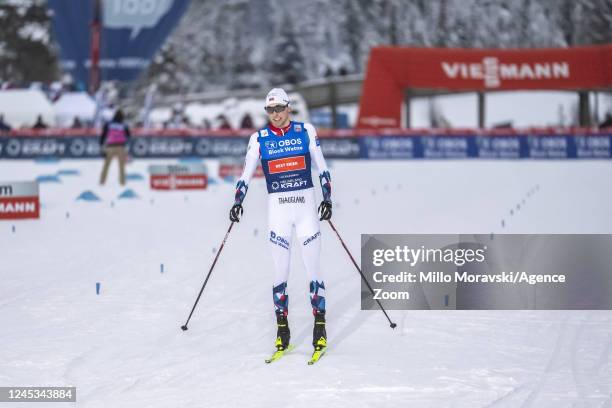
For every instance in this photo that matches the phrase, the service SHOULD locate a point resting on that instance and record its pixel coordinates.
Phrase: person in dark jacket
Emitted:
(40, 123)
(4, 127)
(607, 123)
(247, 122)
(113, 140)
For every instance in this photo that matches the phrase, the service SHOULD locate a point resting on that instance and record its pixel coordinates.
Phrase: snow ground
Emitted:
(124, 348)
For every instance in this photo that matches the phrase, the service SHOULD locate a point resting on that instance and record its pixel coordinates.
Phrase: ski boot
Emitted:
(319, 336)
(282, 333)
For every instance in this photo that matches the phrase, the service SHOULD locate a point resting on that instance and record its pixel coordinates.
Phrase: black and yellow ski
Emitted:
(319, 351)
(279, 353)
(316, 356)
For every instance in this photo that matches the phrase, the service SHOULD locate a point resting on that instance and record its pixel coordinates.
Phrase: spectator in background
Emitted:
(223, 122)
(247, 122)
(113, 140)
(55, 91)
(40, 123)
(607, 123)
(178, 120)
(4, 127)
(76, 123)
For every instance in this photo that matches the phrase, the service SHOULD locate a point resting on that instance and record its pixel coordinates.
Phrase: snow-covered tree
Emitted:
(287, 62)
(26, 52)
(256, 43)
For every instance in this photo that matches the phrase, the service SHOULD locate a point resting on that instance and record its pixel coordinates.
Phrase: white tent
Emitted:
(21, 107)
(73, 105)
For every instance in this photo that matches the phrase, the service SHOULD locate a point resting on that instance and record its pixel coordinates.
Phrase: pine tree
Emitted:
(595, 25)
(288, 62)
(352, 33)
(25, 52)
(565, 14)
(253, 43)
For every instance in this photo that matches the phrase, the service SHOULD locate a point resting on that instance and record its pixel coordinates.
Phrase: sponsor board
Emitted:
(177, 169)
(230, 170)
(178, 177)
(413, 146)
(595, 147)
(196, 146)
(446, 147)
(32, 147)
(179, 182)
(234, 169)
(389, 147)
(341, 148)
(501, 147)
(548, 147)
(83, 147)
(19, 200)
(492, 71)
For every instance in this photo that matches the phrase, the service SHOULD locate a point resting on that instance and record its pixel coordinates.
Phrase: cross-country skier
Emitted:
(286, 149)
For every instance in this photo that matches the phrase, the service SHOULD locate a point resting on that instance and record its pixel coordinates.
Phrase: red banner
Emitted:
(179, 181)
(391, 71)
(235, 170)
(19, 200)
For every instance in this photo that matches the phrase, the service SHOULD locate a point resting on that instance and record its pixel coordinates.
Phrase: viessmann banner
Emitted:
(476, 272)
(19, 200)
(394, 70)
(525, 146)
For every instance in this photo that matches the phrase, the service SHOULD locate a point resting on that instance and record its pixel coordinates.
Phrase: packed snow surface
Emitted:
(124, 347)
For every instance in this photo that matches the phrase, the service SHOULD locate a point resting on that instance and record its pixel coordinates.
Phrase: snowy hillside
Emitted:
(124, 348)
(242, 44)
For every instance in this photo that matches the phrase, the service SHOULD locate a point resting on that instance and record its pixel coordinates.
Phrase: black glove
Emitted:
(236, 213)
(325, 210)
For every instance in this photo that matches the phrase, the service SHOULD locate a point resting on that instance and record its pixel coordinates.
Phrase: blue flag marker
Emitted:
(97, 288)
(161, 268)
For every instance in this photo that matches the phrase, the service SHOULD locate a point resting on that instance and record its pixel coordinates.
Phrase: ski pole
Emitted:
(184, 327)
(361, 273)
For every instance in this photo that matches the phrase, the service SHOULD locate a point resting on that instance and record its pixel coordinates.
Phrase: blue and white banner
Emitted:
(131, 33)
(32, 147)
(531, 146)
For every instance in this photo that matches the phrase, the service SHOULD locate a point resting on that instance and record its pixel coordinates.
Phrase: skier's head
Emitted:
(118, 117)
(277, 107)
